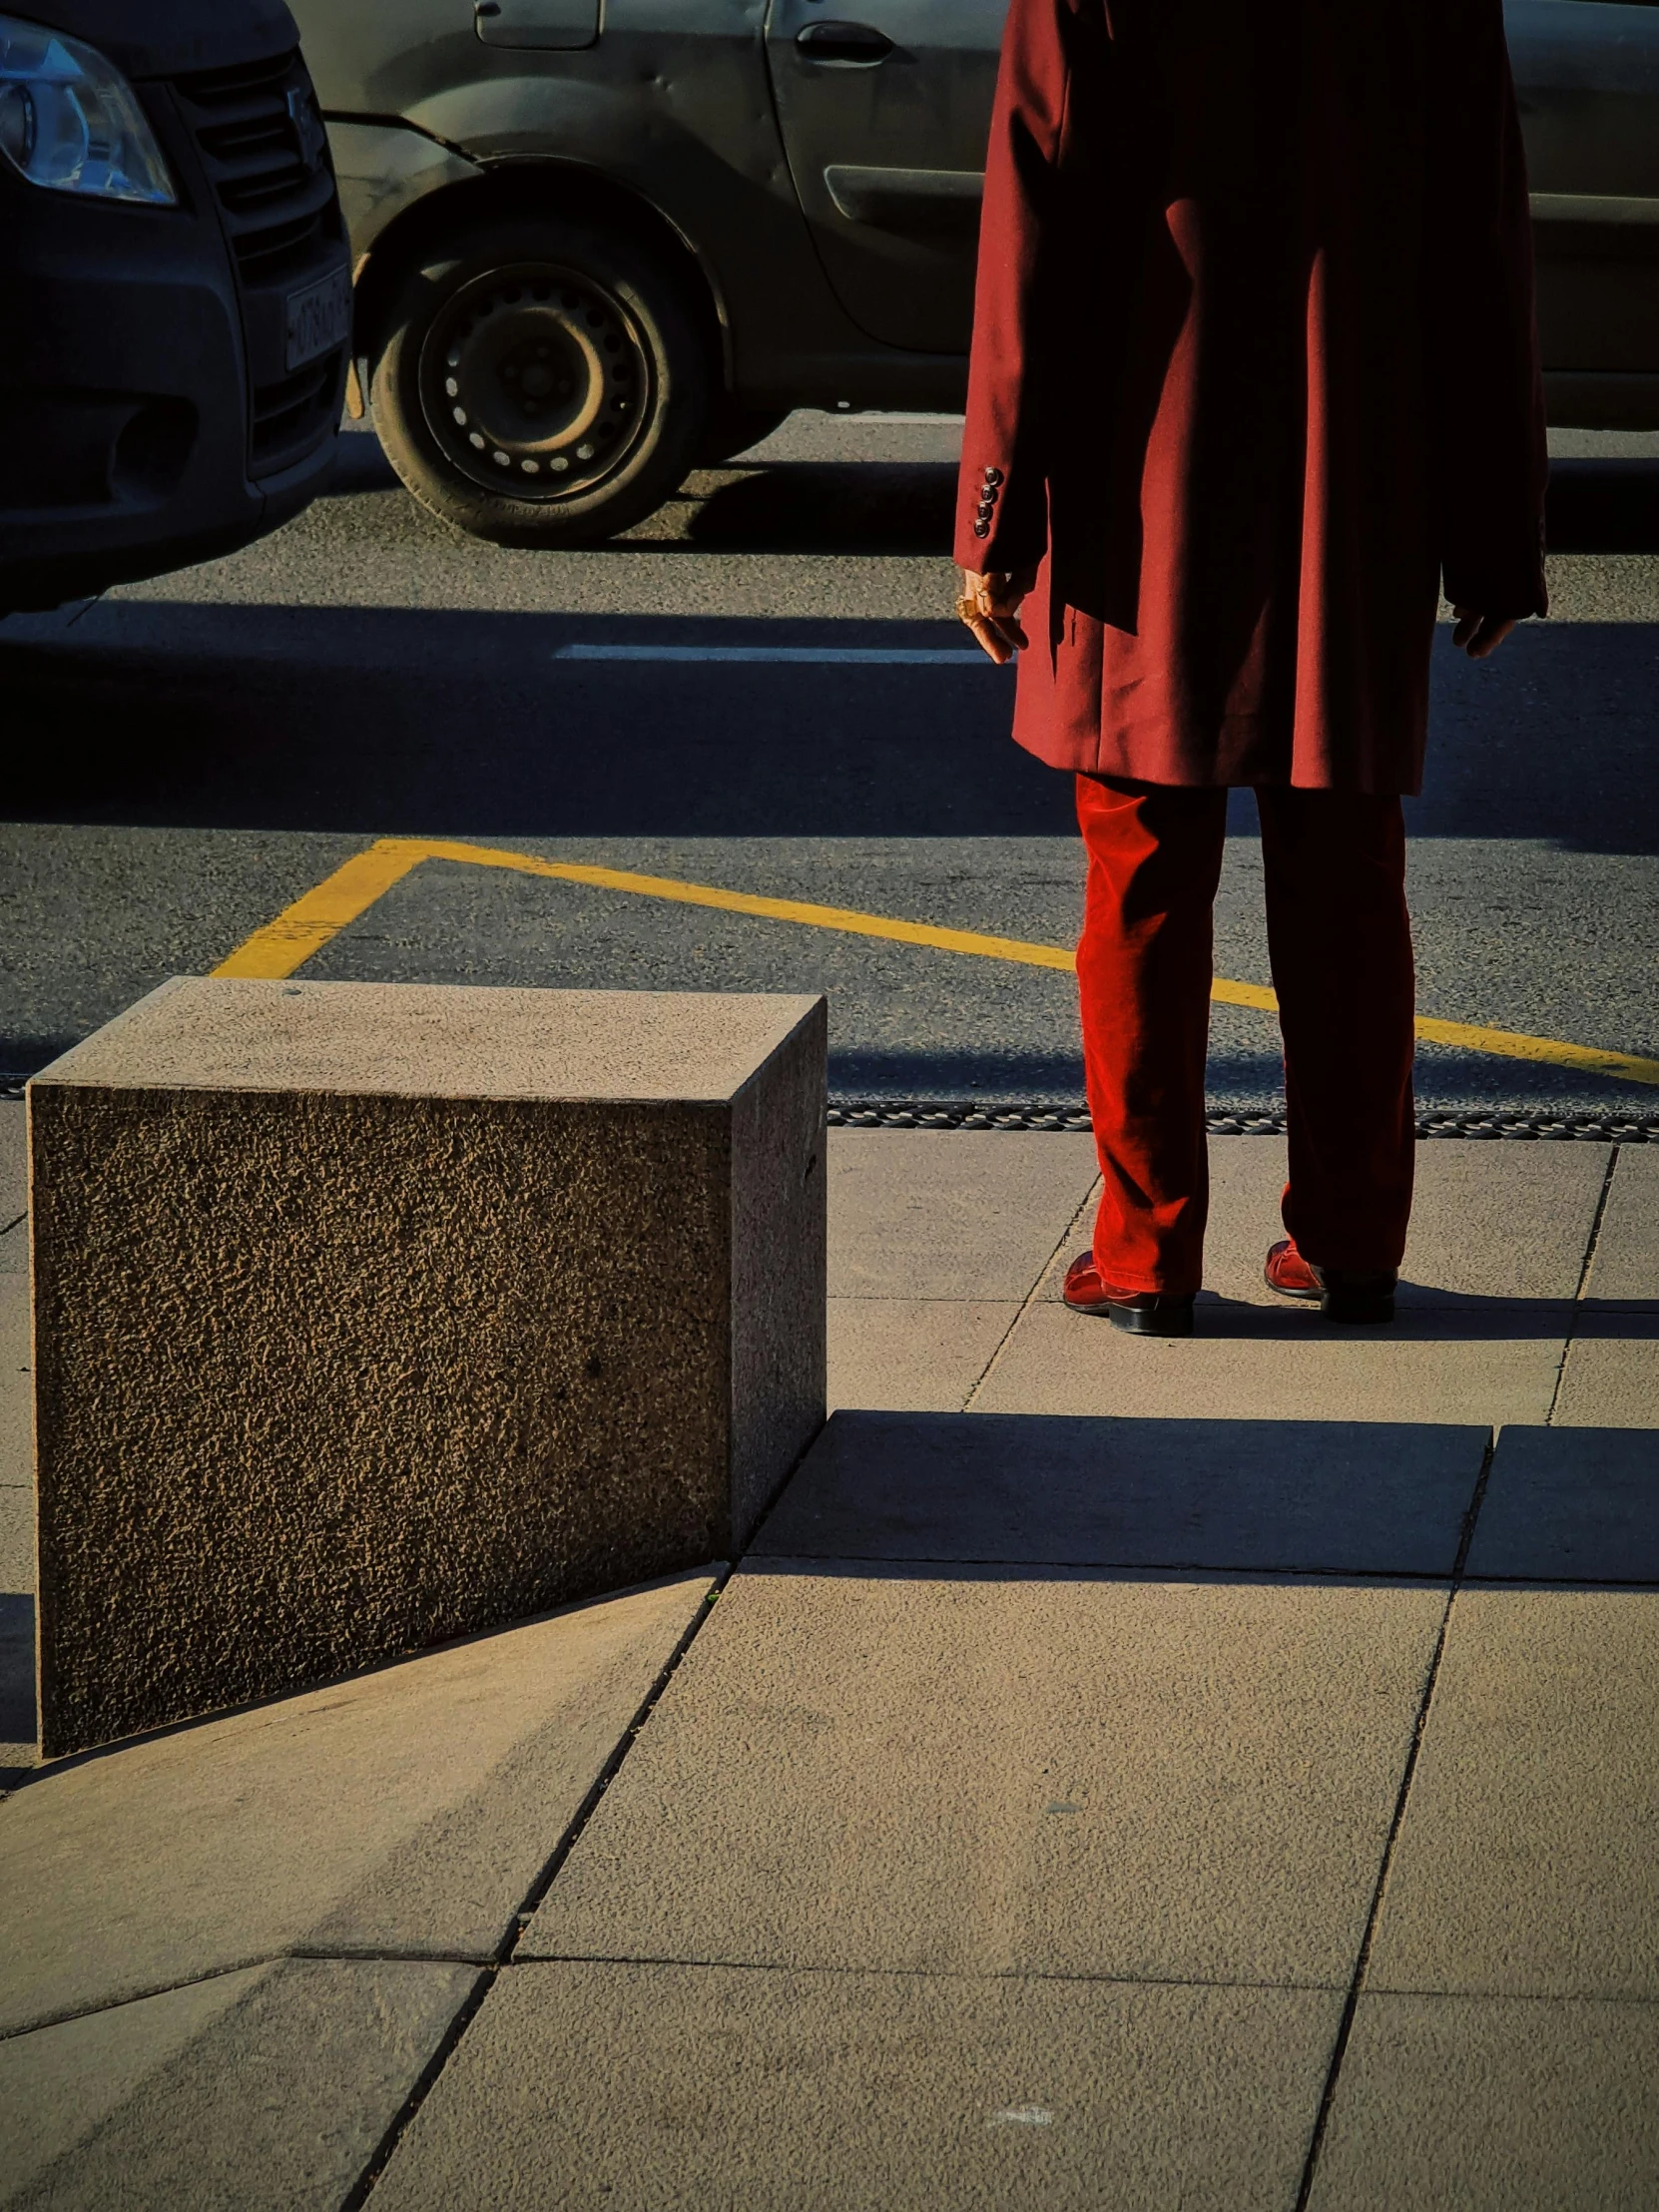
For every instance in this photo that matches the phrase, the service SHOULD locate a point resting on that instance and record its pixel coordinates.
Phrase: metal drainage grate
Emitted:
(896, 1113)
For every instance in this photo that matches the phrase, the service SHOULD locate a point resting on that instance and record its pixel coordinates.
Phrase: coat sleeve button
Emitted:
(981, 529)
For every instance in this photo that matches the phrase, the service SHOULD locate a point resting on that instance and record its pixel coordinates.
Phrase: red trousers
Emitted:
(1340, 942)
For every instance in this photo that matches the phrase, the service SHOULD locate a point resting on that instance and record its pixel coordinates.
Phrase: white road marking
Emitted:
(808, 655)
(1022, 2116)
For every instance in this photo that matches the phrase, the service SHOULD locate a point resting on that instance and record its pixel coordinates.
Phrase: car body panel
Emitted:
(1587, 79)
(831, 204)
(886, 155)
(383, 169)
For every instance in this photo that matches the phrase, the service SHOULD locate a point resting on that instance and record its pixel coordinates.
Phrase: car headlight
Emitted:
(70, 121)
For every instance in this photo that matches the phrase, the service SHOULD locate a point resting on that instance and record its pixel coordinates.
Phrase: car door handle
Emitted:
(854, 45)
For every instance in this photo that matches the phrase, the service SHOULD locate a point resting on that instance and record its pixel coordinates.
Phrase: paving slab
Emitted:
(59, 2084)
(13, 1250)
(17, 1544)
(1346, 1498)
(637, 2088)
(1477, 2104)
(410, 1811)
(1571, 1505)
(960, 1213)
(275, 2103)
(922, 1355)
(1436, 1364)
(14, 1160)
(17, 1686)
(1492, 1221)
(16, 1411)
(1527, 1863)
(1611, 1374)
(1626, 1262)
(1011, 1771)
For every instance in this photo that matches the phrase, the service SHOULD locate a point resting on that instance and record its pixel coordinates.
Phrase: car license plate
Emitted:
(319, 317)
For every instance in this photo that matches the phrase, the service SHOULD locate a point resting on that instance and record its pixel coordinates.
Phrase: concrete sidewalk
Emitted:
(1120, 1773)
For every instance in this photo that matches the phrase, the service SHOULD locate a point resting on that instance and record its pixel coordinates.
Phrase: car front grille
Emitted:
(292, 414)
(279, 212)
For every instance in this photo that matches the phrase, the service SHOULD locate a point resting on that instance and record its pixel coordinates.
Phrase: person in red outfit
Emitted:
(1254, 374)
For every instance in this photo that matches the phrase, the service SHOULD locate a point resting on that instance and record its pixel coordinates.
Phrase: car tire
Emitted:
(541, 381)
(731, 430)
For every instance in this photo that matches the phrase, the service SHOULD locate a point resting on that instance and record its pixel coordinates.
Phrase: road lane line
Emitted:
(306, 926)
(286, 943)
(809, 655)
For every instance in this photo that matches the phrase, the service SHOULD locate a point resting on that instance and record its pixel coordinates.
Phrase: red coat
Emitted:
(1254, 368)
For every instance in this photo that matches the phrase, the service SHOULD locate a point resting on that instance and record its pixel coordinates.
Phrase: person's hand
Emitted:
(1479, 635)
(989, 605)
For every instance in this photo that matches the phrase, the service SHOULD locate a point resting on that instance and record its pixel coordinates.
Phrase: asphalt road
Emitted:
(189, 756)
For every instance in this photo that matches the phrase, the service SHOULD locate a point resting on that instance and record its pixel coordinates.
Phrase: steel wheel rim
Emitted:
(537, 382)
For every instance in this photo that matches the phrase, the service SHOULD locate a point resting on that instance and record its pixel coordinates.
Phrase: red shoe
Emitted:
(1141, 1313)
(1340, 1294)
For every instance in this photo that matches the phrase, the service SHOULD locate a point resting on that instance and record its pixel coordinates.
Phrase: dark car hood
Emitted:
(166, 38)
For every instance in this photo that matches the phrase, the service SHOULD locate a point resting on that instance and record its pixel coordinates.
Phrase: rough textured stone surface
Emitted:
(1528, 1864)
(1328, 1496)
(1471, 2104)
(408, 1810)
(1009, 1770)
(633, 2088)
(374, 1315)
(275, 2106)
(1570, 1504)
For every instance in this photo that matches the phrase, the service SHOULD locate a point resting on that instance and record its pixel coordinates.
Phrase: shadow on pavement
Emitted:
(973, 1495)
(462, 721)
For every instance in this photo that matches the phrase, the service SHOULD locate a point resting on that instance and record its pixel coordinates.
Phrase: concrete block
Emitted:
(924, 1355)
(1525, 1864)
(407, 1811)
(1626, 1263)
(374, 1315)
(1611, 1376)
(1571, 1505)
(1011, 1771)
(1319, 1496)
(637, 2088)
(1436, 1365)
(1475, 2104)
(272, 2103)
(963, 1214)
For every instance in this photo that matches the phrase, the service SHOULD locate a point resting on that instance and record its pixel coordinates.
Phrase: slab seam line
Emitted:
(1345, 2026)
(1583, 1281)
(357, 2195)
(1030, 1299)
(283, 945)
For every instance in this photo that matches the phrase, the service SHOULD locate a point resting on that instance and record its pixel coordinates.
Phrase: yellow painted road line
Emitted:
(302, 928)
(306, 926)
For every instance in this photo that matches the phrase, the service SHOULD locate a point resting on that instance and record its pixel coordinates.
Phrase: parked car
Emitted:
(177, 285)
(601, 239)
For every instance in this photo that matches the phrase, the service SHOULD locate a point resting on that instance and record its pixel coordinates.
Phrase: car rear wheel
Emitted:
(541, 381)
